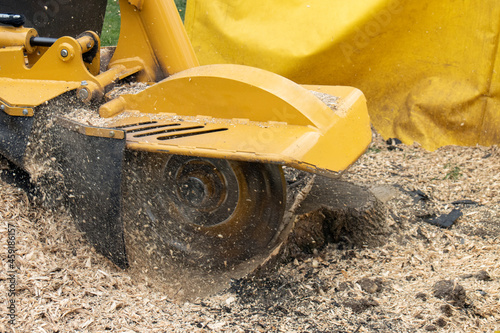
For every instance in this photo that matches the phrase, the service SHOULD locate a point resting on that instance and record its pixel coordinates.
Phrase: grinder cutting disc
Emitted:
(194, 223)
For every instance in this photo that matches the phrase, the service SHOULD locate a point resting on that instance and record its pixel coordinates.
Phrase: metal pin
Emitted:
(64, 53)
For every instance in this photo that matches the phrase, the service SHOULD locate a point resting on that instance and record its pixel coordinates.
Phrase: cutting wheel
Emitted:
(198, 219)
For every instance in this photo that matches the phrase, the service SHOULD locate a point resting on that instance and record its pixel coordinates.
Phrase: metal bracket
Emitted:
(100, 132)
(17, 111)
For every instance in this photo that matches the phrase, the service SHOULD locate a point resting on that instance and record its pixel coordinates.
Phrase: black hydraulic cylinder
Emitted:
(14, 20)
(42, 41)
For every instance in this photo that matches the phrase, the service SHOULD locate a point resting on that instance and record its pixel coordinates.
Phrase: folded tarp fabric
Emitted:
(430, 69)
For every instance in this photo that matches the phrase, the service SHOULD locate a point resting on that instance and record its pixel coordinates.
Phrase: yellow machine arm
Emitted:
(152, 34)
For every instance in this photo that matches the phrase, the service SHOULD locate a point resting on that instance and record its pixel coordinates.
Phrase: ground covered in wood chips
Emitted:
(425, 278)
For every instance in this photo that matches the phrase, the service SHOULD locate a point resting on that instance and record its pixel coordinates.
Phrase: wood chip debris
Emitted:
(63, 285)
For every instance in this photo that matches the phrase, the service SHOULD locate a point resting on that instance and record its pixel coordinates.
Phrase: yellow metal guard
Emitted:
(243, 113)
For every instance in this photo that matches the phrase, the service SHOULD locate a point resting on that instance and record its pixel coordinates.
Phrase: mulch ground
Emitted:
(424, 278)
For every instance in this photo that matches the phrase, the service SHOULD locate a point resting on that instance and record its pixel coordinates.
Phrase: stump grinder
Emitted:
(183, 179)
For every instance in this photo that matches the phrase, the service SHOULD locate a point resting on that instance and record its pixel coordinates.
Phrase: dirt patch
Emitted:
(450, 291)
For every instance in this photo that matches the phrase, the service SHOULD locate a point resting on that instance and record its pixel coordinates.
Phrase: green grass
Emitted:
(111, 26)
(374, 150)
(181, 6)
(454, 172)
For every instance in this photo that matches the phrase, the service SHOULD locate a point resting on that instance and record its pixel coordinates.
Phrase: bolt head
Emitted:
(64, 53)
(25, 112)
(2, 107)
(83, 94)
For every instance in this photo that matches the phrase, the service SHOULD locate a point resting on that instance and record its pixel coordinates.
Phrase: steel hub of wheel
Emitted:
(205, 191)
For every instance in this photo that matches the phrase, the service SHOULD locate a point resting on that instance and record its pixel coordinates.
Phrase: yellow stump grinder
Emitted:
(183, 178)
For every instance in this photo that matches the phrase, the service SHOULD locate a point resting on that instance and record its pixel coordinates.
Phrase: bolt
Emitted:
(89, 45)
(25, 112)
(83, 94)
(84, 83)
(64, 53)
(112, 133)
(2, 107)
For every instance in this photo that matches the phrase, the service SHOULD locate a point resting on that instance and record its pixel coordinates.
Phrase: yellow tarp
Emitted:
(429, 68)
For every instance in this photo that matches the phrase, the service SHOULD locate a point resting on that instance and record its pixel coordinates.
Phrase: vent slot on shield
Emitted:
(149, 128)
(182, 135)
(137, 124)
(167, 131)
